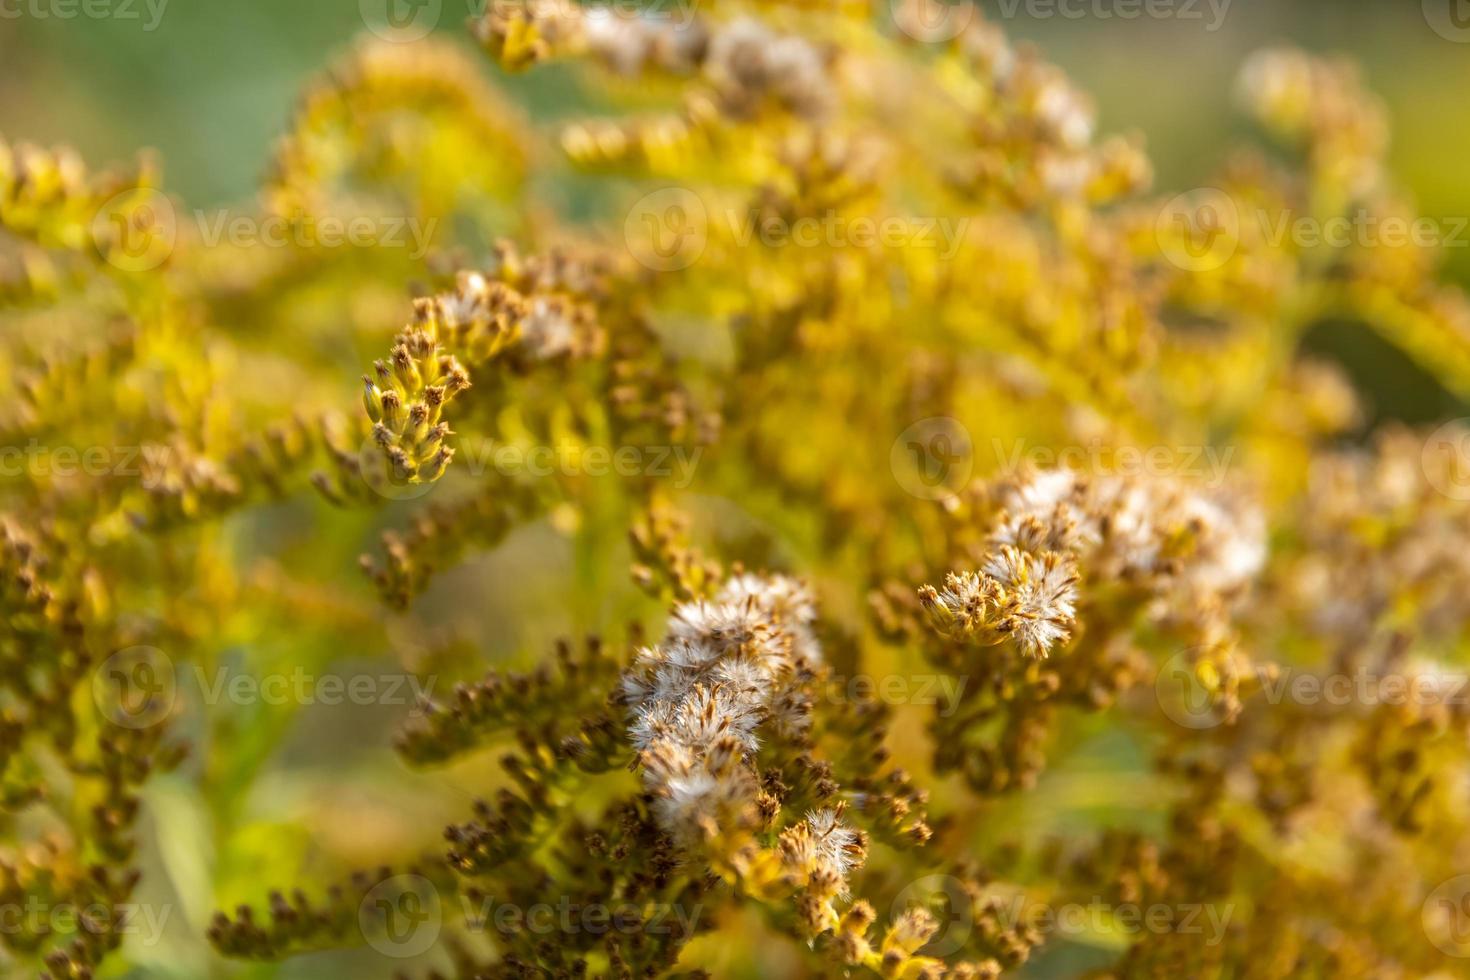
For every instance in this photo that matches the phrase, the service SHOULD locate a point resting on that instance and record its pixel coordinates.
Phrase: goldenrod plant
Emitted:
(938, 553)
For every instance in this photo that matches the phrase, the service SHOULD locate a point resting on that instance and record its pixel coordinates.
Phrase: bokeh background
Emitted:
(213, 83)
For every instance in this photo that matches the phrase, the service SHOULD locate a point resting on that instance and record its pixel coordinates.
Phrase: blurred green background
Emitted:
(212, 84)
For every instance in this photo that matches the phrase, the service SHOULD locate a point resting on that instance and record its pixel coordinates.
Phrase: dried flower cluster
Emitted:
(905, 709)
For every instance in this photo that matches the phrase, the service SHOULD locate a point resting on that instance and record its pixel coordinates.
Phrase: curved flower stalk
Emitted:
(482, 320)
(406, 396)
(398, 113)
